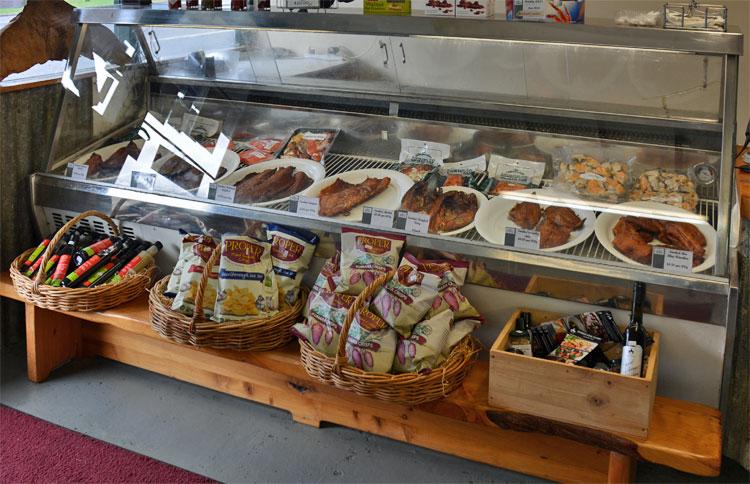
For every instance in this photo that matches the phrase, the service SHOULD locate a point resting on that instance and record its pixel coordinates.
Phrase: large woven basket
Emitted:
(405, 388)
(80, 298)
(260, 334)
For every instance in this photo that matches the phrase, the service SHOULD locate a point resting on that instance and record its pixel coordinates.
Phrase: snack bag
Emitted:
(186, 250)
(326, 317)
(423, 350)
(406, 298)
(247, 283)
(459, 330)
(328, 279)
(514, 174)
(574, 348)
(194, 265)
(291, 253)
(371, 344)
(365, 256)
(452, 275)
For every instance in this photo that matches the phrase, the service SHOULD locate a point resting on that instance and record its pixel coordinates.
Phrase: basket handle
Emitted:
(59, 236)
(198, 316)
(361, 302)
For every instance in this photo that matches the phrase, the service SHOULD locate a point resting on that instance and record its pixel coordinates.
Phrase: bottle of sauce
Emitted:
(36, 254)
(90, 251)
(635, 336)
(520, 341)
(82, 273)
(63, 263)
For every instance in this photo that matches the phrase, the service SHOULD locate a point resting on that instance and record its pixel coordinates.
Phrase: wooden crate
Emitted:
(569, 393)
(563, 289)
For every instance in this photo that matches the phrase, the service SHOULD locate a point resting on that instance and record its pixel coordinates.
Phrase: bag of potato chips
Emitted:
(365, 256)
(328, 279)
(291, 253)
(194, 265)
(423, 350)
(325, 320)
(186, 249)
(459, 330)
(371, 344)
(247, 283)
(406, 298)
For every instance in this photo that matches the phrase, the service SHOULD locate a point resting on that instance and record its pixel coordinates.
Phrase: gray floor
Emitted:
(233, 440)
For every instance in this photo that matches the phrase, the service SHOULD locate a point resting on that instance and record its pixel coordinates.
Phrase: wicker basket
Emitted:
(80, 298)
(405, 388)
(245, 335)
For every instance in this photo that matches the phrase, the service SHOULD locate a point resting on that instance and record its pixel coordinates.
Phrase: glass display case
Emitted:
(551, 156)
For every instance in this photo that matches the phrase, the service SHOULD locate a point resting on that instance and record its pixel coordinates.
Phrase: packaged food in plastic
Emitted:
(574, 348)
(418, 158)
(600, 324)
(186, 250)
(365, 256)
(672, 187)
(291, 253)
(603, 179)
(371, 344)
(459, 330)
(247, 283)
(513, 174)
(192, 271)
(324, 321)
(423, 350)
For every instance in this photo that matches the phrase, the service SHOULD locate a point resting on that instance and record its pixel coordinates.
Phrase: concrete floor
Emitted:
(233, 440)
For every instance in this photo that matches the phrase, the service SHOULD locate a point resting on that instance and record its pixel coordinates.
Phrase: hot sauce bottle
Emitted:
(63, 263)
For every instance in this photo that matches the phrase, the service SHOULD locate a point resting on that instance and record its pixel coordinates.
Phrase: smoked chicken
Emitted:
(340, 197)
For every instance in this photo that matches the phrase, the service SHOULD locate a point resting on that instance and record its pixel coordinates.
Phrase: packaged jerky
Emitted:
(515, 173)
(418, 158)
(371, 344)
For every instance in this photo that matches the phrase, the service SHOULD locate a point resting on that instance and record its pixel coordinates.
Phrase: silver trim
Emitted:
(607, 35)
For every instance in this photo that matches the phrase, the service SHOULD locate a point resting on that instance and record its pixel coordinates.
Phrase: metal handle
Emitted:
(156, 40)
(385, 49)
(403, 52)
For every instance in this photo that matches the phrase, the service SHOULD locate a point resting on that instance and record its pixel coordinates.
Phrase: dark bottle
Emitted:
(520, 340)
(635, 335)
(90, 251)
(122, 260)
(63, 263)
(36, 254)
(82, 273)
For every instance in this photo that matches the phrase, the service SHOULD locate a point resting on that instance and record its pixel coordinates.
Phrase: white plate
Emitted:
(231, 162)
(492, 219)
(606, 222)
(105, 152)
(481, 200)
(313, 169)
(390, 198)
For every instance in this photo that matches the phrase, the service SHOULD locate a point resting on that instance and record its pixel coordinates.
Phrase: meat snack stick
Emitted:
(365, 256)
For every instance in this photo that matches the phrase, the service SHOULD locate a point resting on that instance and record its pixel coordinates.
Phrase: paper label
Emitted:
(142, 180)
(521, 238)
(418, 223)
(672, 260)
(77, 171)
(221, 193)
(304, 206)
(314, 136)
(377, 217)
(632, 360)
(200, 126)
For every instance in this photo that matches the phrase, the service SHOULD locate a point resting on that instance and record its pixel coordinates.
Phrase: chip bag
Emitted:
(459, 330)
(324, 322)
(247, 283)
(194, 265)
(371, 344)
(406, 298)
(186, 249)
(291, 253)
(423, 350)
(365, 256)
(328, 279)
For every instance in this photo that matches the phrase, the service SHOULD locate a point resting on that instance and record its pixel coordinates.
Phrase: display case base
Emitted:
(683, 435)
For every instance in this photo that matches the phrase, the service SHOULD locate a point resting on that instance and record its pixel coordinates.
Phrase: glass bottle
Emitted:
(635, 335)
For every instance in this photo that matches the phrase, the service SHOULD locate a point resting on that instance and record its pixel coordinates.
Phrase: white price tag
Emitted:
(672, 260)
(305, 206)
(142, 180)
(418, 223)
(200, 125)
(521, 238)
(377, 217)
(77, 171)
(221, 193)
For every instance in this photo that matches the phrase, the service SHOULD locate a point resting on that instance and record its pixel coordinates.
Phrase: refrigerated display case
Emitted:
(628, 122)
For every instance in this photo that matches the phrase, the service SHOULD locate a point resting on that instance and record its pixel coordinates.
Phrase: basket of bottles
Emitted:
(76, 270)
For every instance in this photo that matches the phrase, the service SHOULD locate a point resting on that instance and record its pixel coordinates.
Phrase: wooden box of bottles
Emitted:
(568, 393)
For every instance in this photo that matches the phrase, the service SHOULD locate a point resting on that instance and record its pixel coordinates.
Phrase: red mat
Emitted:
(32, 450)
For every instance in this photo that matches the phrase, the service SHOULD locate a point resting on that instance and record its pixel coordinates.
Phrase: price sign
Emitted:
(521, 238)
(221, 193)
(377, 217)
(418, 223)
(672, 260)
(77, 171)
(142, 180)
(305, 206)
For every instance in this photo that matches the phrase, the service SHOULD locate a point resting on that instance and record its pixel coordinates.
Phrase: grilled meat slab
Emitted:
(563, 217)
(630, 241)
(526, 215)
(341, 197)
(300, 181)
(455, 210)
(685, 236)
(551, 234)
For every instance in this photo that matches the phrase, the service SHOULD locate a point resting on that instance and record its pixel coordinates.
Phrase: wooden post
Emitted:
(52, 339)
(621, 468)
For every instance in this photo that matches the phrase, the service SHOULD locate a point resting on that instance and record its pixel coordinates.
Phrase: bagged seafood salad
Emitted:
(192, 271)
(365, 256)
(328, 280)
(247, 286)
(406, 298)
(371, 344)
(423, 350)
(324, 321)
(291, 253)
(186, 250)
(605, 177)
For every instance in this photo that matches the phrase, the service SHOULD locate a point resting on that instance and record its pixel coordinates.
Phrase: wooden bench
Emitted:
(683, 435)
